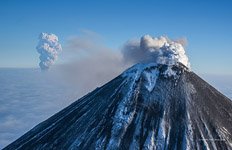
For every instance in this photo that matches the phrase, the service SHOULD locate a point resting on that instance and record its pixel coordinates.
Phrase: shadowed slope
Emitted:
(144, 108)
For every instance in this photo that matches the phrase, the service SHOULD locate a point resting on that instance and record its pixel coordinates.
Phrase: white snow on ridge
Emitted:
(150, 72)
(151, 79)
(136, 70)
(150, 141)
(169, 72)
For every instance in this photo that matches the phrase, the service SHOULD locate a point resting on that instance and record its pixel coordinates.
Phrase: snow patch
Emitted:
(191, 88)
(150, 141)
(135, 143)
(124, 114)
(224, 134)
(100, 143)
(161, 134)
(151, 77)
(169, 72)
(189, 137)
(136, 70)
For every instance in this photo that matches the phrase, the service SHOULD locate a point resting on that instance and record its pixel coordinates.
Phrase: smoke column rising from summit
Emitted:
(160, 50)
(93, 63)
(48, 48)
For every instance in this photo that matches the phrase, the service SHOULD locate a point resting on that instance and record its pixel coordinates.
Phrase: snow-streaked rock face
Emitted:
(144, 108)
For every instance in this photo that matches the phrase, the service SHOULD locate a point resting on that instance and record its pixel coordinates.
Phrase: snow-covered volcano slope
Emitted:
(149, 106)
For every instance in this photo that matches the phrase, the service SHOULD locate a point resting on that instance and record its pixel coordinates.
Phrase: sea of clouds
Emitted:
(29, 96)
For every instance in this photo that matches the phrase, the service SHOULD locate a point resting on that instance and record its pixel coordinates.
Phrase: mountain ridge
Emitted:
(140, 109)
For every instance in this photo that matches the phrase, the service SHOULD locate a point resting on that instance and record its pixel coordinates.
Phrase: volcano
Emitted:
(148, 106)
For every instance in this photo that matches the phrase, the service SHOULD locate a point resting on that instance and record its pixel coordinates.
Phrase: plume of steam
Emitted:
(160, 50)
(90, 63)
(48, 48)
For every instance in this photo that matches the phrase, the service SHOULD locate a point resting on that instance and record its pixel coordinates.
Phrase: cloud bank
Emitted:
(27, 98)
(48, 48)
(22, 108)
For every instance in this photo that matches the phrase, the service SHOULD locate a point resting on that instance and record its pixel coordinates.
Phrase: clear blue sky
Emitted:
(206, 24)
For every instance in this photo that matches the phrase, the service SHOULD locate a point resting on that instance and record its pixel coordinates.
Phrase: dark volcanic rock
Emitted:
(144, 108)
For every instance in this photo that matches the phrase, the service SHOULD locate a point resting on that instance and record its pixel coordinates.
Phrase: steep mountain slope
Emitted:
(149, 106)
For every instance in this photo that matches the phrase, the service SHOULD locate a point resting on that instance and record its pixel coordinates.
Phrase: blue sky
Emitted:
(206, 25)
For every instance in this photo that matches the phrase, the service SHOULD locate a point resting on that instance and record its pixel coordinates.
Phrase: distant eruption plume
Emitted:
(48, 48)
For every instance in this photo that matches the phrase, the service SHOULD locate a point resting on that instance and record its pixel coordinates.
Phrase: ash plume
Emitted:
(89, 63)
(48, 48)
(160, 50)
